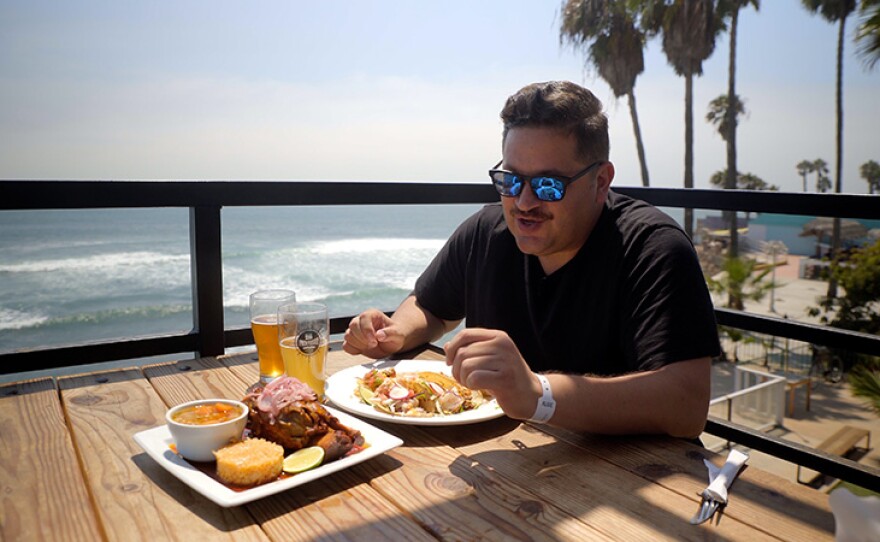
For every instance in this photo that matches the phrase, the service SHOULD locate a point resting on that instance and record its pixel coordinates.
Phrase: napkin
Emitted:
(720, 479)
(856, 519)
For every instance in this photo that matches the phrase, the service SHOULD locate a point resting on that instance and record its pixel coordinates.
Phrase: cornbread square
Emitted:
(249, 462)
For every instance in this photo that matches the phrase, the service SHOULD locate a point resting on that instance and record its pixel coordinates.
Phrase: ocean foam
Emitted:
(98, 261)
(330, 269)
(372, 245)
(13, 319)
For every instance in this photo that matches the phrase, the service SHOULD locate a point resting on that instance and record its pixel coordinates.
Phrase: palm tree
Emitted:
(744, 181)
(865, 382)
(868, 32)
(731, 8)
(835, 11)
(615, 47)
(689, 29)
(720, 115)
(870, 171)
(820, 168)
(741, 280)
(804, 168)
(750, 181)
(823, 183)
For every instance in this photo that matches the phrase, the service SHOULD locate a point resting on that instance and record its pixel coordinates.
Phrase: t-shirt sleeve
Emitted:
(441, 287)
(671, 317)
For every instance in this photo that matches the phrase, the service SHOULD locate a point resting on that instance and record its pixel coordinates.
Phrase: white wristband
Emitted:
(546, 405)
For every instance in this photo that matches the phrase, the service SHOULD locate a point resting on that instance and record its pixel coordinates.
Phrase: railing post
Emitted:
(206, 263)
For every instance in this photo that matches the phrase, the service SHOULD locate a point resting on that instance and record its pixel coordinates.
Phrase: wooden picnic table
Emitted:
(792, 383)
(70, 470)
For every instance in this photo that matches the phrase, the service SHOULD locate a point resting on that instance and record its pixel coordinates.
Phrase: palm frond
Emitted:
(865, 383)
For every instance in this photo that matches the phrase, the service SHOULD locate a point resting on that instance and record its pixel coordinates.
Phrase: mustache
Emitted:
(534, 215)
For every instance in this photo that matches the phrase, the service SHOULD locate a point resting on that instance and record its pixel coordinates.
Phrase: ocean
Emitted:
(75, 276)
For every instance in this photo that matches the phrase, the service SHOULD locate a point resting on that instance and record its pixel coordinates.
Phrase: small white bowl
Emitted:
(198, 442)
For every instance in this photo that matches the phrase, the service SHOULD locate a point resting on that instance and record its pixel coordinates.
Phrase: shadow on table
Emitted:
(27, 387)
(671, 463)
(262, 510)
(550, 483)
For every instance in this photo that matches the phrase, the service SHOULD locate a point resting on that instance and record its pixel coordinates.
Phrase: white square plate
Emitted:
(156, 443)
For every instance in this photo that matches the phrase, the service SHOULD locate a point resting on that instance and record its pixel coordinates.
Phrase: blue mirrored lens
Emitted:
(548, 188)
(544, 188)
(507, 184)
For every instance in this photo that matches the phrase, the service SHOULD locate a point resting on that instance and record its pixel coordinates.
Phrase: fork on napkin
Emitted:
(715, 494)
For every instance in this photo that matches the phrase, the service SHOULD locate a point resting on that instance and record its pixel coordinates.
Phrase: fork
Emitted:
(715, 494)
(707, 509)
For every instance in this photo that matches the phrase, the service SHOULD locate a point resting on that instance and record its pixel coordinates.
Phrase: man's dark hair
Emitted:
(563, 105)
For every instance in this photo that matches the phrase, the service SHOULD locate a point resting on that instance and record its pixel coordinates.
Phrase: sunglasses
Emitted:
(545, 187)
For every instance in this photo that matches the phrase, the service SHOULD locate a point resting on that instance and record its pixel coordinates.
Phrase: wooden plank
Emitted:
(610, 498)
(455, 498)
(770, 503)
(187, 380)
(243, 365)
(135, 498)
(341, 506)
(42, 492)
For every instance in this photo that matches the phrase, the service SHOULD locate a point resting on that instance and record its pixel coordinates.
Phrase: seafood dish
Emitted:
(417, 393)
(288, 413)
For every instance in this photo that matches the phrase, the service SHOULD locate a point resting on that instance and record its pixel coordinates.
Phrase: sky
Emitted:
(388, 90)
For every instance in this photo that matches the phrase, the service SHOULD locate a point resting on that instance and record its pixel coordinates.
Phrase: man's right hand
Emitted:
(373, 334)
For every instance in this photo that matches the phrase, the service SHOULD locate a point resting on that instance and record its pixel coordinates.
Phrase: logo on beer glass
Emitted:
(308, 341)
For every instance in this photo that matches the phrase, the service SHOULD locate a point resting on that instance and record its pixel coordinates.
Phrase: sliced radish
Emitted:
(398, 392)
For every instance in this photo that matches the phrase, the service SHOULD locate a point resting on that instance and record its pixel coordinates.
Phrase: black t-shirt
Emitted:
(632, 299)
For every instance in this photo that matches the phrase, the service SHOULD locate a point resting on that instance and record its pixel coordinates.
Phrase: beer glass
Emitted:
(264, 324)
(303, 334)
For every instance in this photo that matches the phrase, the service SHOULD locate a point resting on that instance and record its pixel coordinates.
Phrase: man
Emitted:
(584, 308)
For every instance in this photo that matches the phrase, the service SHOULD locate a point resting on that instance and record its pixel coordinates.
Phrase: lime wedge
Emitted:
(303, 460)
(366, 394)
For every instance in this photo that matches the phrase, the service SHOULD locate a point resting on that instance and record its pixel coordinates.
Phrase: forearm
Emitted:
(418, 325)
(673, 400)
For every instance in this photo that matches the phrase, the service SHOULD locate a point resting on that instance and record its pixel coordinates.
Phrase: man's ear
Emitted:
(603, 179)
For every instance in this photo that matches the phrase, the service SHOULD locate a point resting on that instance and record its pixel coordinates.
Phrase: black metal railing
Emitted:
(208, 337)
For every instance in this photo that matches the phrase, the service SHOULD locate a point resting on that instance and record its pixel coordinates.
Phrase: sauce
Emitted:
(207, 414)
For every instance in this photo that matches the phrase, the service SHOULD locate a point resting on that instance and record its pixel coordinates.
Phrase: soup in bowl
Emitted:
(199, 428)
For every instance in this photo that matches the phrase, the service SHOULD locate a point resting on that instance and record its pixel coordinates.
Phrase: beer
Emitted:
(265, 328)
(304, 356)
(264, 324)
